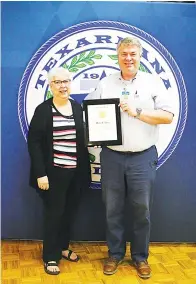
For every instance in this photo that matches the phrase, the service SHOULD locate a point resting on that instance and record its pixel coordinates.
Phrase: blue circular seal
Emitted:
(88, 50)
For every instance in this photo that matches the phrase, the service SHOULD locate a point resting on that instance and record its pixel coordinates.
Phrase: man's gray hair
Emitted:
(129, 41)
(59, 71)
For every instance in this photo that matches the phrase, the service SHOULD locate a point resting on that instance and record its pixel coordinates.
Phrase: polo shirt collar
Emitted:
(128, 81)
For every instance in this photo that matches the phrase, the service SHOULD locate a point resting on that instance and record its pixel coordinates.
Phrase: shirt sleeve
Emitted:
(161, 96)
(96, 94)
(35, 142)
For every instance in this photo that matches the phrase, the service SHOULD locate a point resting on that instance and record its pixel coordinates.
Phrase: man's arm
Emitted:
(152, 117)
(162, 112)
(96, 94)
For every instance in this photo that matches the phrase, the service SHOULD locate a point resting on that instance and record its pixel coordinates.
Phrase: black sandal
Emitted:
(51, 263)
(69, 256)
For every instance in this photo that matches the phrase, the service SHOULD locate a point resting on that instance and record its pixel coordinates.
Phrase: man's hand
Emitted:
(131, 110)
(43, 183)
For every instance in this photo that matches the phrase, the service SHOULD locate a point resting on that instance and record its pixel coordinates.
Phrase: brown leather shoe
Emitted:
(111, 265)
(143, 269)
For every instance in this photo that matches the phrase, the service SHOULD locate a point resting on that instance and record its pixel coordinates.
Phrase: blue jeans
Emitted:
(128, 175)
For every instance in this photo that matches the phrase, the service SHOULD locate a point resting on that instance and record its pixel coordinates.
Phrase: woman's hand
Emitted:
(43, 183)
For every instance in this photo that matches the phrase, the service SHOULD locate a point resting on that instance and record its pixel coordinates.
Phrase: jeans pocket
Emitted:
(153, 164)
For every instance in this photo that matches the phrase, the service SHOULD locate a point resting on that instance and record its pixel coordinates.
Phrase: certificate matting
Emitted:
(103, 122)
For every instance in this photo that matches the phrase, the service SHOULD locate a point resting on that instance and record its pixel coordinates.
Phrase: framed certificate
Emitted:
(103, 122)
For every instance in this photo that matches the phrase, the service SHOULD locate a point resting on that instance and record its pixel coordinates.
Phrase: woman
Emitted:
(59, 165)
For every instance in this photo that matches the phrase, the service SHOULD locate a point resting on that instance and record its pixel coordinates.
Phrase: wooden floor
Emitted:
(171, 264)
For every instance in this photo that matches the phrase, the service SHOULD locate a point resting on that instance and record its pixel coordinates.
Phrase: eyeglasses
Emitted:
(58, 83)
(125, 55)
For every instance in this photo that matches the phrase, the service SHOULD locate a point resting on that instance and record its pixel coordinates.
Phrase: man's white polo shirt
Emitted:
(146, 91)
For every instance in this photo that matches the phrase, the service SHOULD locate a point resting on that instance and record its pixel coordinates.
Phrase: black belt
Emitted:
(130, 152)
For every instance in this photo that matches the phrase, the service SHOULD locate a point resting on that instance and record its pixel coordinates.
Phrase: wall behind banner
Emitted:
(28, 25)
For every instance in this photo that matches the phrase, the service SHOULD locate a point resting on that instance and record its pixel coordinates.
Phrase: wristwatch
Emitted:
(138, 111)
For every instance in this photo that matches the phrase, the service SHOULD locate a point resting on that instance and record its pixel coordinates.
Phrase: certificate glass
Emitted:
(103, 122)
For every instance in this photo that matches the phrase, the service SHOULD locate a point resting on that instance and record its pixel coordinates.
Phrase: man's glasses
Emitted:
(58, 83)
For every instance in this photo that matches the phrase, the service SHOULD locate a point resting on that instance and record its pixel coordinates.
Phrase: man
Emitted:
(128, 170)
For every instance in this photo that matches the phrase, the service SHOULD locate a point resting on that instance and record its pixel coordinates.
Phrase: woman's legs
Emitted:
(54, 207)
(72, 200)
